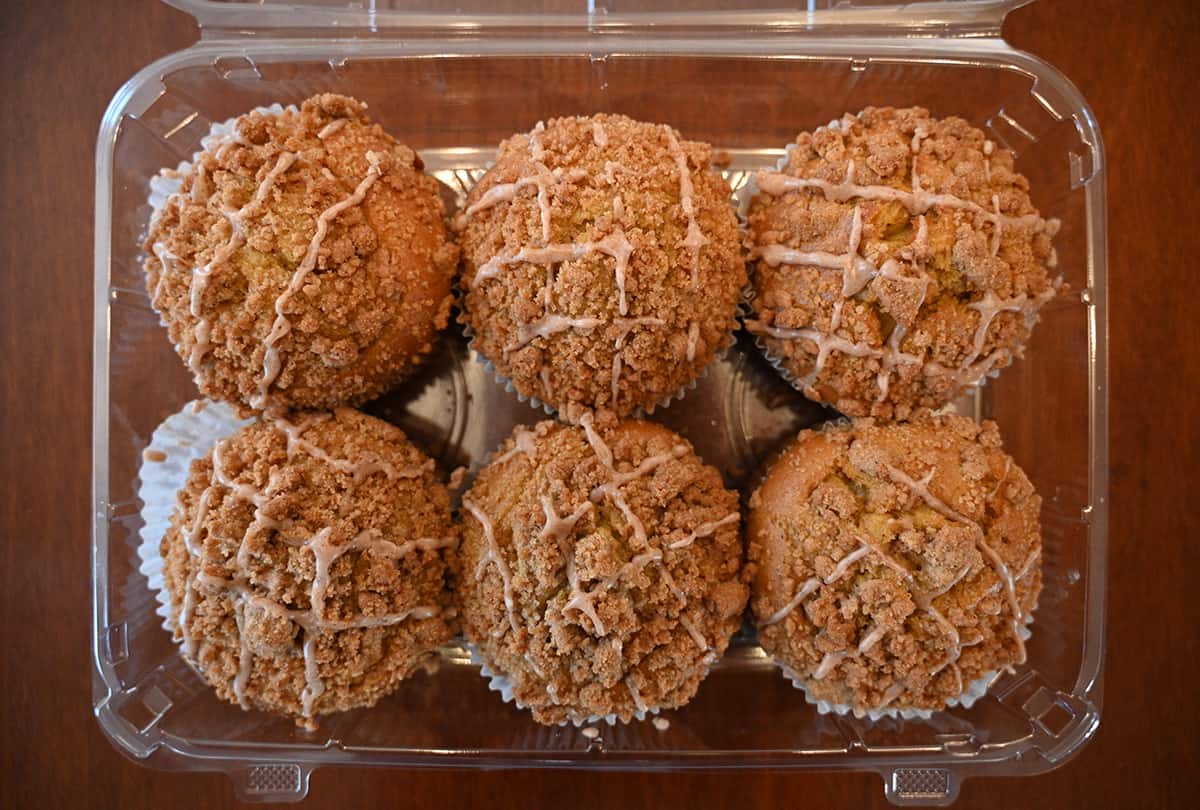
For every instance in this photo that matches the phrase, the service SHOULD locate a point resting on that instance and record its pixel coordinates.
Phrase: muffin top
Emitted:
(601, 568)
(601, 263)
(307, 564)
(895, 563)
(303, 262)
(898, 259)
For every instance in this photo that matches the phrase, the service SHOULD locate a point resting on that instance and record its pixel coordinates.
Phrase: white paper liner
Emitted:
(503, 685)
(182, 437)
(168, 181)
(973, 692)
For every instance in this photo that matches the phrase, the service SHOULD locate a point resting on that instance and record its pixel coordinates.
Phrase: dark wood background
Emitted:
(60, 64)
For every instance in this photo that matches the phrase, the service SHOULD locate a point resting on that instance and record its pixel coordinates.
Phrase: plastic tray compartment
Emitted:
(452, 87)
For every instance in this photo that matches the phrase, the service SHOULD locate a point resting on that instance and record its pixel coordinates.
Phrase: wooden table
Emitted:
(62, 63)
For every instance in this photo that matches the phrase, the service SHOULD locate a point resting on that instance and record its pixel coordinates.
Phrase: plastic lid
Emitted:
(467, 17)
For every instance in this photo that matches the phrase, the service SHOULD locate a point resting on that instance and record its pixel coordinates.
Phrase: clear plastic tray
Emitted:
(747, 81)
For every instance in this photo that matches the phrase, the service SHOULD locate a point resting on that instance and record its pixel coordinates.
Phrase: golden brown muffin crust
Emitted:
(304, 263)
(601, 568)
(307, 564)
(596, 273)
(950, 266)
(895, 563)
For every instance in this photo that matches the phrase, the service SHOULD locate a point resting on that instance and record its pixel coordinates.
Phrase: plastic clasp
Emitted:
(908, 787)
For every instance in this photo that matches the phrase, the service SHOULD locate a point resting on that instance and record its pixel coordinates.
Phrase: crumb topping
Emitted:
(307, 564)
(895, 563)
(601, 263)
(898, 260)
(304, 262)
(601, 568)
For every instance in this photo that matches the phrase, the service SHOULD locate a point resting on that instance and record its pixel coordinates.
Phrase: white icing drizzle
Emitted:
(549, 325)
(694, 632)
(272, 363)
(694, 239)
(921, 489)
(614, 245)
(918, 136)
(200, 346)
(185, 619)
(314, 684)
(167, 259)
(810, 585)
(999, 222)
(831, 660)
(871, 638)
(919, 202)
(888, 362)
(332, 127)
(829, 343)
(558, 528)
(705, 529)
(536, 150)
(1003, 477)
(365, 465)
(991, 305)
(1027, 566)
(844, 564)
(523, 442)
(597, 443)
(200, 183)
(245, 655)
(892, 692)
(493, 555)
(923, 600)
(638, 703)
(505, 192)
(599, 136)
(648, 465)
(692, 339)
(857, 270)
(625, 326)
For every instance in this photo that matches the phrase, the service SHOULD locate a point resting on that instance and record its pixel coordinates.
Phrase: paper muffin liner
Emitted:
(972, 692)
(503, 685)
(180, 439)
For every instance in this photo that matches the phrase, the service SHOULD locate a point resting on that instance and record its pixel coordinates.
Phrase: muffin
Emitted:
(601, 569)
(896, 564)
(306, 564)
(601, 264)
(897, 260)
(303, 262)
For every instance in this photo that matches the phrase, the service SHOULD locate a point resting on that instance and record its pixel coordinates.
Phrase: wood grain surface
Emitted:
(60, 64)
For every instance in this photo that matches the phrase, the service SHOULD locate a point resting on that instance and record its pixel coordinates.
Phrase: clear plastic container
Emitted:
(452, 87)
